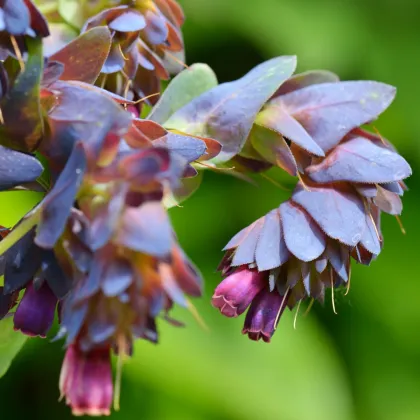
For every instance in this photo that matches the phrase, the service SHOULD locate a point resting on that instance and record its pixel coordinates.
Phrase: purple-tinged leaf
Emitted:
(273, 148)
(106, 219)
(338, 211)
(271, 249)
(58, 280)
(115, 60)
(57, 205)
(156, 30)
(303, 237)
(188, 147)
(228, 111)
(245, 252)
(17, 168)
(362, 255)
(393, 187)
(366, 190)
(91, 283)
(360, 160)
(22, 262)
(84, 57)
(294, 273)
(275, 117)
(145, 166)
(117, 277)
(128, 21)
(306, 277)
(308, 78)
(370, 239)
(81, 114)
(329, 111)
(338, 257)
(388, 202)
(321, 264)
(239, 237)
(52, 72)
(146, 229)
(23, 123)
(15, 17)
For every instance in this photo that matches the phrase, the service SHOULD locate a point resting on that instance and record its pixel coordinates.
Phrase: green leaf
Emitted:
(228, 111)
(186, 86)
(23, 124)
(10, 344)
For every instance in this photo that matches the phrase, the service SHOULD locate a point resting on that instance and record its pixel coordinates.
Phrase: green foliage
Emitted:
(182, 89)
(10, 344)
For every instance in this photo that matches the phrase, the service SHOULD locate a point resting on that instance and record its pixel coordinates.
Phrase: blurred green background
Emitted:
(363, 363)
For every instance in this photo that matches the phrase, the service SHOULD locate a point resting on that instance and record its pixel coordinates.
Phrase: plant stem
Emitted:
(21, 229)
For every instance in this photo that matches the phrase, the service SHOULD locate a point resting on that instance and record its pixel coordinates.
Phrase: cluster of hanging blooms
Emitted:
(348, 176)
(99, 253)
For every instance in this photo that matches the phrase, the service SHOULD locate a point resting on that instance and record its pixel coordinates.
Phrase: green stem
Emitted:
(21, 229)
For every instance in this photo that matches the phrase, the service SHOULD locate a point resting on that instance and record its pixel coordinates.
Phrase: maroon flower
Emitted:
(236, 292)
(35, 313)
(263, 315)
(86, 381)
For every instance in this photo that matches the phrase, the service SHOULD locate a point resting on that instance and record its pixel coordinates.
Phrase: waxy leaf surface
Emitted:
(228, 111)
(186, 86)
(84, 57)
(360, 160)
(329, 111)
(338, 211)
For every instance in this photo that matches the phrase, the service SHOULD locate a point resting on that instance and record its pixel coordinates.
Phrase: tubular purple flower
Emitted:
(236, 292)
(263, 315)
(35, 313)
(86, 381)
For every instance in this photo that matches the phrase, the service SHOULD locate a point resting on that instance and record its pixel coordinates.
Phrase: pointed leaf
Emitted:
(274, 117)
(271, 249)
(339, 212)
(245, 252)
(188, 147)
(329, 111)
(388, 202)
(57, 205)
(370, 238)
(360, 160)
(146, 229)
(186, 86)
(228, 111)
(84, 57)
(17, 168)
(23, 124)
(303, 237)
(308, 78)
(273, 148)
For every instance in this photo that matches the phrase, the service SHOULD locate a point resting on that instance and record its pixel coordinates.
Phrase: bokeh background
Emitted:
(362, 364)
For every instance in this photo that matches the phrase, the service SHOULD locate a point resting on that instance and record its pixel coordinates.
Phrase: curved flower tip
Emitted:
(86, 381)
(263, 315)
(35, 313)
(236, 292)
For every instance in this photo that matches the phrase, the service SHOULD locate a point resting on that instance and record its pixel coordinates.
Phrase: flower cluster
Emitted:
(99, 251)
(348, 176)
